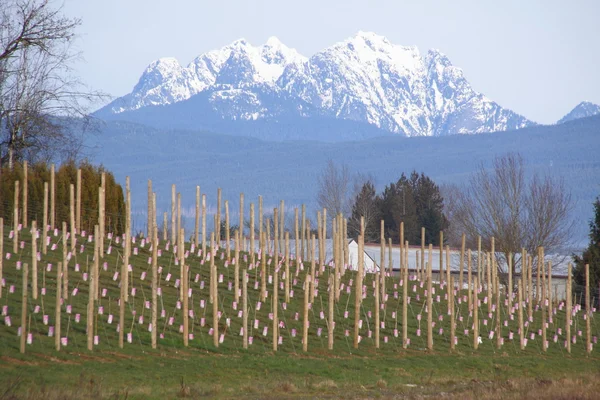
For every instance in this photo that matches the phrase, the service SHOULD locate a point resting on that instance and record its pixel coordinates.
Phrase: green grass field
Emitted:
(173, 371)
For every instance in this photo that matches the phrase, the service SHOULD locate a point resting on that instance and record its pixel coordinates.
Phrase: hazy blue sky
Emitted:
(538, 58)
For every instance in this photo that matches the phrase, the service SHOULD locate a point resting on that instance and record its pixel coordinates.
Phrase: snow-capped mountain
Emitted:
(365, 79)
(581, 110)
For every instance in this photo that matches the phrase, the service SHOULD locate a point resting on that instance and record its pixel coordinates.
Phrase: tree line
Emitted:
(520, 210)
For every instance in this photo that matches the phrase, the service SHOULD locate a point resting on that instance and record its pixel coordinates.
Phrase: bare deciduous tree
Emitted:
(334, 189)
(39, 96)
(517, 212)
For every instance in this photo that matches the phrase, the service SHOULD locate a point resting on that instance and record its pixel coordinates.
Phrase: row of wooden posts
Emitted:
(525, 288)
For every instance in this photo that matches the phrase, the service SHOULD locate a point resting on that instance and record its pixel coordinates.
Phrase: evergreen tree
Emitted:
(591, 255)
(365, 205)
(414, 200)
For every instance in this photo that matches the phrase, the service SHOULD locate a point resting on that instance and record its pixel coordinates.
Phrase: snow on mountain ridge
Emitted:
(165, 81)
(364, 78)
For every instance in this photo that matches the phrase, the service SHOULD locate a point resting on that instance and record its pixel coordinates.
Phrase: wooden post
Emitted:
(92, 296)
(401, 246)
(493, 269)
(377, 322)
(307, 288)
(298, 257)
(488, 277)
(185, 286)
(154, 276)
(479, 261)
(330, 319)
(263, 266)
(404, 270)
(498, 315)
(509, 291)
(303, 248)
(324, 227)
(442, 256)
(550, 284)
(212, 266)
(215, 289)
(588, 314)
(390, 260)
(469, 280)
(34, 270)
(381, 275)
(568, 309)
(227, 234)
(320, 238)
(520, 311)
(165, 229)
(57, 306)
(540, 263)
(530, 288)
(218, 227)
(452, 320)
(313, 268)
(281, 224)
(102, 213)
(544, 316)
(203, 226)
(127, 249)
(149, 212)
(310, 252)
(429, 301)
(260, 218)
(252, 238)
(96, 266)
(45, 222)
(1, 252)
(236, 267)
(124, 268)
(178, 215)
(197, 219)
(245, 307)
(16, 219)
(241, 227)
(421, 273)
(275, 300)
(358, 289)
(476, 313)
(173, 215)
(52, 201)
(276, 247)
(462, 262)
(78, 202)
(25, 193)
(287, 267)
(449, 288)
(72, 216)
(65, 262)
(24, 308)
(346, 245)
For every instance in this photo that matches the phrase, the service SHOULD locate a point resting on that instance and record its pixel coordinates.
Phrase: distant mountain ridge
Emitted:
(581, 110)
(289, 169)
(364, 79)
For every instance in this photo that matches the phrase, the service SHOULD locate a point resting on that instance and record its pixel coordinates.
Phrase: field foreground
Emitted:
(192, 373)
(228, 371)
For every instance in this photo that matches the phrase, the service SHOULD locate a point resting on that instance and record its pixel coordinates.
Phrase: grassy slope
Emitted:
(172, 370)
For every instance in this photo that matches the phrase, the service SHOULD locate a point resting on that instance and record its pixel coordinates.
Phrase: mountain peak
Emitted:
(273, 41)
(365, 78)
(581, 110)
